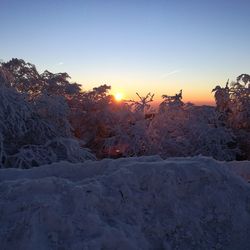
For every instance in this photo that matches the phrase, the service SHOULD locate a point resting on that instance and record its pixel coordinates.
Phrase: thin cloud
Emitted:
(60, 63)
(170, 73)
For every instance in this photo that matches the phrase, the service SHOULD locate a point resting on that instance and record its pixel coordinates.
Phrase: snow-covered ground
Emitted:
(133, 203)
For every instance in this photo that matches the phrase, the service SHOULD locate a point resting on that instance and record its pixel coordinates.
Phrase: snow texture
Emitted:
(132, 203)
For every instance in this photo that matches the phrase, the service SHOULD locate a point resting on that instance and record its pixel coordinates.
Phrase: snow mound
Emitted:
(133, 203)
(241, 168)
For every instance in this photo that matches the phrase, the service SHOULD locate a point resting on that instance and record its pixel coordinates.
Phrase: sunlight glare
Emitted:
(118, 97)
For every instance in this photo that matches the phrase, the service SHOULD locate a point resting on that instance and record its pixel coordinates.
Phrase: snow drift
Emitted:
(133, 203)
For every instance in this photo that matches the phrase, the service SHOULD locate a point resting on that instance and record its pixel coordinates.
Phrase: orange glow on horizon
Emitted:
(194, 93)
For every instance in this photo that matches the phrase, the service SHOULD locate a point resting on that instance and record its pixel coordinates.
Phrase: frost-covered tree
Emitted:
(43, 114)
(27, 139)
(34, 132)
(26, 79)
(186, 130)
(91, 114)
(170, 102)
(235, 110)
(178, 130)
(128, 136)
(234, 102)
(143, 104)
(222, 98)
(240, 103)
(58, 84)
(48, 92)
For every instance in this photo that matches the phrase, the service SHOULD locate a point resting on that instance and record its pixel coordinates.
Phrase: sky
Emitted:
(157, 46)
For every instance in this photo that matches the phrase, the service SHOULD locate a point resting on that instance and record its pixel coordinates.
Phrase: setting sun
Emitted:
(118, 96)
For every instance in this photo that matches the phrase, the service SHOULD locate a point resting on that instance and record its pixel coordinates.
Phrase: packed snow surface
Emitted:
(132, 203)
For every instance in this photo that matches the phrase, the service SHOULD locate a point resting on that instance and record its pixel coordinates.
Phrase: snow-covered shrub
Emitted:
(109, 128)
(240, 103)
(128, 139)
(69, 149)
(191, 130)
(55, 111)
(47, 93)
(27, 139)
(14, 116)
(54, 150)
(92, 116)
(178, 130)
(234, 102)
(34, 131)
(233, 105)
(48, 110)
(5, 77)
